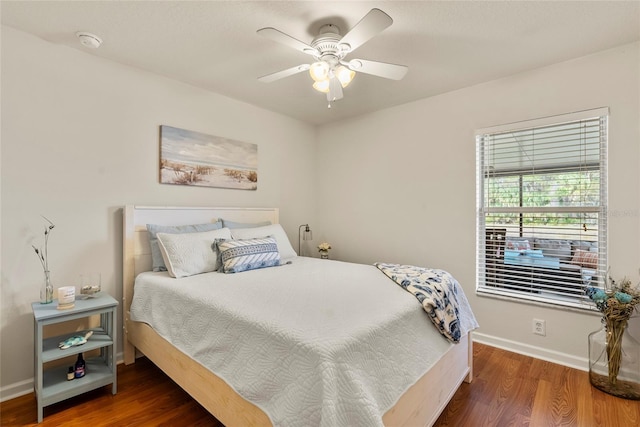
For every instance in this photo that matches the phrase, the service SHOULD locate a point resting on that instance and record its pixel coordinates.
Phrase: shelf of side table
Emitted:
(51, 384)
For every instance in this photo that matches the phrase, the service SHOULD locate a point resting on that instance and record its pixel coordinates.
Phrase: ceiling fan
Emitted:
(330, 71)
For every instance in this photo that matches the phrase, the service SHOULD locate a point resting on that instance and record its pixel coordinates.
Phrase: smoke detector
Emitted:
(89, 40)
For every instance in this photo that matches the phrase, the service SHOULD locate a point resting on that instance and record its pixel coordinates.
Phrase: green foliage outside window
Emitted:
(566, 190)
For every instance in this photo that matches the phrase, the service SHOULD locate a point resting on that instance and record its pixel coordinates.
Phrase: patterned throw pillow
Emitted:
(587, 259)
(248, 254)
(518, 245)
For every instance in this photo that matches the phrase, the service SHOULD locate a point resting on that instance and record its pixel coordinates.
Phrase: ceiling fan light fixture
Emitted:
(345, 75)
(342, 73)
(322, 86)
(319, 71)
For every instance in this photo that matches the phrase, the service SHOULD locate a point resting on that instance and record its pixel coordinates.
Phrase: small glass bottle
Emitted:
(71, 373)
(80, 367)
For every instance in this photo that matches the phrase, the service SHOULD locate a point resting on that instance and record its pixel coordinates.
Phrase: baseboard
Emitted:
(21, 388)
(16, 390)
(581, 363)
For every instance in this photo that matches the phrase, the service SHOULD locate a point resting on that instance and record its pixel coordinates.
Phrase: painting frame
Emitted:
(197, 159)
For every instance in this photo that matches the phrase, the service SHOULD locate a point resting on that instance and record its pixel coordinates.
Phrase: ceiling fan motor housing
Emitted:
(328, 44)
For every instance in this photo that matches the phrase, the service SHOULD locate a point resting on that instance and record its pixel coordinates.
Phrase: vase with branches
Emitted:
(46, 292)
(614, 355)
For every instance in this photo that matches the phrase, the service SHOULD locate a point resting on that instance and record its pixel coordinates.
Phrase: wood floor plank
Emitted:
(508, 389)
(543, 394)
(146, 397)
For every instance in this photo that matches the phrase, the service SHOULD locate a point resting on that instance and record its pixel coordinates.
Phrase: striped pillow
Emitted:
(248, 254)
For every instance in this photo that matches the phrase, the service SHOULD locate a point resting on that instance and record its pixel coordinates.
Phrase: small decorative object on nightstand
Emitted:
(75, 340)
(90, 284)
(52, 384)
(66, 297)
(323, 248)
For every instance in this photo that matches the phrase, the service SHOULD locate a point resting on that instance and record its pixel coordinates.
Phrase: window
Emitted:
(542, 203)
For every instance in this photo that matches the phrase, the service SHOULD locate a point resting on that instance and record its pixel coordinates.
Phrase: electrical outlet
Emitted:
(539, 327)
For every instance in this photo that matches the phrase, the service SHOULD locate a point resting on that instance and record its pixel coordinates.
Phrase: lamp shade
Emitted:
(345, 75)
(322, 86)
(319, 71)
(306, 235)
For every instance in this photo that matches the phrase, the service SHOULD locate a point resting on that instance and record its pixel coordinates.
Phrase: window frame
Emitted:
(484, 266)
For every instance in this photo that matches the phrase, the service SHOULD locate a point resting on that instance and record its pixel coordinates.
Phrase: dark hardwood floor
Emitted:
(508, 389)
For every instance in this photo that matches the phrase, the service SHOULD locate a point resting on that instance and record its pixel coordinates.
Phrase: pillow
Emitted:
(518, 245)
(534, 253)
(233, 224)
(191, 253)
(560, 249)
(248, 254)
(156, 255)
(587, 259)
(275, 230)
(510, 253)
(580, 244)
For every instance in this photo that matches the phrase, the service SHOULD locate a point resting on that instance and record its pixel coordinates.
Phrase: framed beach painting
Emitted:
(197, 159)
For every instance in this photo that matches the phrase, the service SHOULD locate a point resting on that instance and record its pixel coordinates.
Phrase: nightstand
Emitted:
(50, 384)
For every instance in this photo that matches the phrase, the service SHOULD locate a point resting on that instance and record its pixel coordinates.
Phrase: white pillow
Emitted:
(275, 230)
(187, 254)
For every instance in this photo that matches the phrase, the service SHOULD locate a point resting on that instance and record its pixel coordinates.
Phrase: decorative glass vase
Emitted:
(324, 254)
(614, 360)
(46, 292)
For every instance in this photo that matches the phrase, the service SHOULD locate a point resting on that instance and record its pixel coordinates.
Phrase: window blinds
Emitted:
(541, 199)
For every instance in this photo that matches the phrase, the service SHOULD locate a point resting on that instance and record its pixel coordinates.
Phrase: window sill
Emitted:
(569, 305)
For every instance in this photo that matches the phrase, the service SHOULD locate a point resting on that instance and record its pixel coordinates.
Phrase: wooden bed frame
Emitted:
(420, 405)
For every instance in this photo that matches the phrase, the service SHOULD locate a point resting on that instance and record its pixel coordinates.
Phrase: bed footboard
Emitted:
(204, 386)
(422, 403)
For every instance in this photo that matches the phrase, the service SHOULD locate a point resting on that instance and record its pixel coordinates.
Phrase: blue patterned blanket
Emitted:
(440, 295)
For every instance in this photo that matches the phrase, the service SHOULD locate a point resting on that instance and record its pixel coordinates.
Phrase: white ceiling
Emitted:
(447, 45)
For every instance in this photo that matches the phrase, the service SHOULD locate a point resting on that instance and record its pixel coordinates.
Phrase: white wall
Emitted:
(400, 185)
(80, 139)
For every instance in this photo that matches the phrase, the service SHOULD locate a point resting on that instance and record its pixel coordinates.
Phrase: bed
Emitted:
(416, 400)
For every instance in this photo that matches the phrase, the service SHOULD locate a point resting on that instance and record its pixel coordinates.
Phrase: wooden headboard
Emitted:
(137, 253)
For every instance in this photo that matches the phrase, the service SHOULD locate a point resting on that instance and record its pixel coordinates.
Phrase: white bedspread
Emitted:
(314, 343)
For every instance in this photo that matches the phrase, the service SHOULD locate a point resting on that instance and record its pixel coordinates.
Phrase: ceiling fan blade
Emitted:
(284, 73)
(335, 89)
(286, 39)
(380, 69)
(370, 25)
